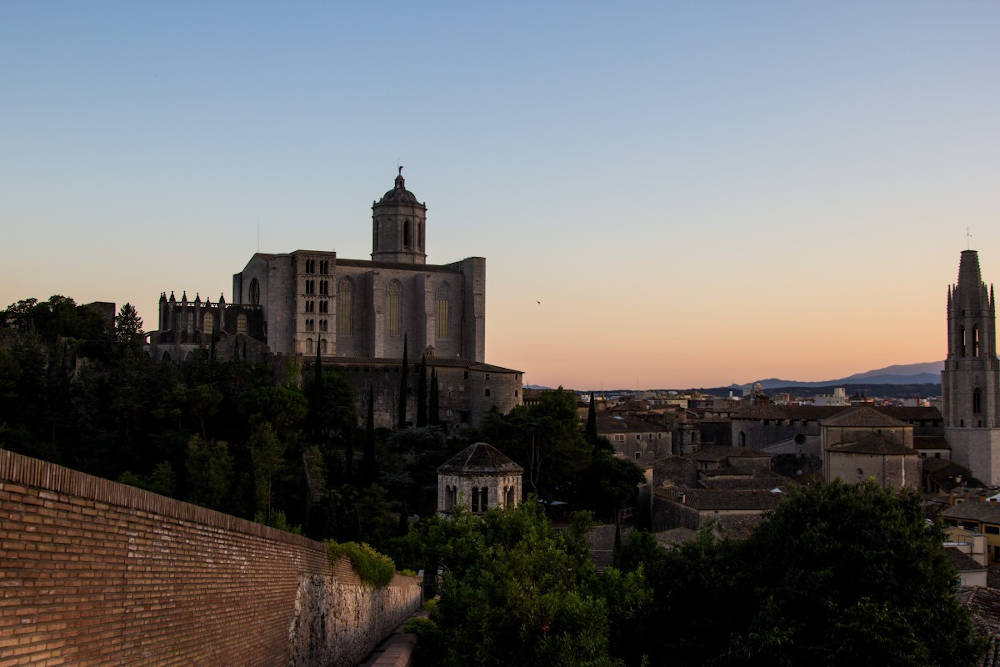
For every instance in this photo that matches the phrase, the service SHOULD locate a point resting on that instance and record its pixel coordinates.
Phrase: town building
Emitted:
(862, 443)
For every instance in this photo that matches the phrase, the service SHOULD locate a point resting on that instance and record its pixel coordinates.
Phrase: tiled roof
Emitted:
(911, 413)
(480, 458)
(616, 423)
(873, 444)
(722, 499)
(863, 416)
(810, 412)
(961, 561)
(719, 453)
(974, 510)
(984, 603)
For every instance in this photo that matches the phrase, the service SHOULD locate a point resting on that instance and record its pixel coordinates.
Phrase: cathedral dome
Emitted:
(399, 194)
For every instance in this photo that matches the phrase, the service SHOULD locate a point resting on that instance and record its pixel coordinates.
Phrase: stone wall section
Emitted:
(92, 571)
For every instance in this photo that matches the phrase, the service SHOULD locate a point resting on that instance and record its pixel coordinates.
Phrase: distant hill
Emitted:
(922, 373)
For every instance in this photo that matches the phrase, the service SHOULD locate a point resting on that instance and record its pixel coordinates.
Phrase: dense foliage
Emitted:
(372, 567)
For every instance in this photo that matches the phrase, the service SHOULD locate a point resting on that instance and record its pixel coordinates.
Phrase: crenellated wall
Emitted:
(92, 571)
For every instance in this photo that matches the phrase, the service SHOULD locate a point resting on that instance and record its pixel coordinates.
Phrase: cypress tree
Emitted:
(404, 377)
(434, 417)
(591, 434)
(422, 393)
(369, 453)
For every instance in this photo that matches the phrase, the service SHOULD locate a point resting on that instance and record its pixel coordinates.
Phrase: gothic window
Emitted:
(449, 498)
(324, 266)
(310, 287)
(324, 287)
(977, 401)
(324, 306)
(475, 499)
(509, 496)
(190, 323)
(322, 325)
(241, 323)
(254, 295)
(975, 341)
(310, 324)
(322, 343)
(208, 323)
(309, 345)
(394, 296)
(310, 266)
(407, 234)
(345, 305)
(961, 341)
(443, 297)
(484, 498)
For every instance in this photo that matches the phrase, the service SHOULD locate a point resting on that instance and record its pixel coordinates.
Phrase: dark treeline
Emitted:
(78, 390)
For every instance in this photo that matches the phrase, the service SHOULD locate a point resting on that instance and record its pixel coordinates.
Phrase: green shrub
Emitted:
(374, 568)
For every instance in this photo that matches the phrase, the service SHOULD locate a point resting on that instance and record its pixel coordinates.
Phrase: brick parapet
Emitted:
(93, 571)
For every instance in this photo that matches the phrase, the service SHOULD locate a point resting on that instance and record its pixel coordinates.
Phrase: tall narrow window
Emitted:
(254, 292)
(961, 341)
(407, 234)
(975, 341)
(420, 235)
(208, 323)
(345, 305)
(309, 345)
(475, 499)
(443, 297)
(484, 498)
(324, 306)
(324, 266)
(375, 236)
(241, 323)
(322, 345)
(324, 287)
(190, 323)
(393, 307)
(977, 400)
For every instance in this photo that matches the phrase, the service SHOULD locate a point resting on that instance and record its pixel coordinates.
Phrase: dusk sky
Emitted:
(698, 193)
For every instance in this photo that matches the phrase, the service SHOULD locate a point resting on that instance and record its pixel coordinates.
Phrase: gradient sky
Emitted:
(698, 193)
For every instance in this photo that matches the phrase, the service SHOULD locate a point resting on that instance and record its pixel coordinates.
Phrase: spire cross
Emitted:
(968, 238)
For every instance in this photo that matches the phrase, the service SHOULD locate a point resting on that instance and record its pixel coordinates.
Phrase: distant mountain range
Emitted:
(923, 373)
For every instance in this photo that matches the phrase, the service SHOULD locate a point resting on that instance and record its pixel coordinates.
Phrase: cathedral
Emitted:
(970, 381)
(357, 314)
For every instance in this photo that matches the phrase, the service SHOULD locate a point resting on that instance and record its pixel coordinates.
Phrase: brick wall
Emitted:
(96, 571)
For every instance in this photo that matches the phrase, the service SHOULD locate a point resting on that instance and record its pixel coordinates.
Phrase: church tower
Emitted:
(398, 226)
(970, 381)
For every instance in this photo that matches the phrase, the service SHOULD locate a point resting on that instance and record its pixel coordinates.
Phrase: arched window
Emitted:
(743, 439)
(375, 236)
(509, 497)
(345, 305)
(420, 235)
(241, 323)
(190, 323)
(475, 499)
(208, 323)
(407, 234)
(977, 400)
(961, 341)
(443, 298)
(975, 341)
(449, 502)
(484, 498)
(322, 346)
(309, 345)
(394, 295)
(254, 295)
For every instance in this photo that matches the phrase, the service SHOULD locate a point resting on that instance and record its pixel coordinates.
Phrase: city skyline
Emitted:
(666, 197)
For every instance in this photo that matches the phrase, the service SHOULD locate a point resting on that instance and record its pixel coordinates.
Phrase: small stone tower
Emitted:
(970, 381)
(398, 225)
(479, 477)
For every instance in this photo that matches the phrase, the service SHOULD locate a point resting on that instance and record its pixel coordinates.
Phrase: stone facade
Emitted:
(970, 381)
(863, 443)
(359, 314)
(478, 478)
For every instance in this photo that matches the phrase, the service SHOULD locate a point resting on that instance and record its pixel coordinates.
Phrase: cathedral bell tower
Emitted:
(398, 225)
(970, 381)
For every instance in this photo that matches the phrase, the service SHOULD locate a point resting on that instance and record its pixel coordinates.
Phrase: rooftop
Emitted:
(480, 457)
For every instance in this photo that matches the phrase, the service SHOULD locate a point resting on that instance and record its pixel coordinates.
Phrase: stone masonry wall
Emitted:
(92, 571)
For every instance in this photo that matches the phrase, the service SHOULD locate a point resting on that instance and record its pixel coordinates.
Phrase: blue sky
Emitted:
(698, 193)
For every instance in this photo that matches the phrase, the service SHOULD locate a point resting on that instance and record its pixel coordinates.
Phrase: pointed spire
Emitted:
(184, 296)
(163, 297)
(172, 299)
(222, 299)
(969, 276)
(197, 298)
